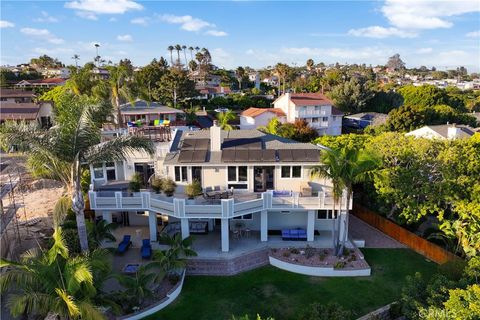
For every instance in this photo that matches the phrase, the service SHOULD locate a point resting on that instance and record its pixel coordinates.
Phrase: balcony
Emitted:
(241, 204)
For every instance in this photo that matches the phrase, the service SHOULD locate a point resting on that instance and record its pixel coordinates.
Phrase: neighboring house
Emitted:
(255, 78)
(253, 118)
(271, 81)
(263, 184)
(444, 131)
(151, 114)
(17, 96)
(364, 119)
(41, 83)
(63, 73)
(212, 92)
(40, 113)
(315, 108)
(100, 73)
(205, 80)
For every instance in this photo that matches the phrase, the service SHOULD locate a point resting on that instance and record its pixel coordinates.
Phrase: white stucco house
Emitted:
(315, 108)
(443, 132)
(253, 118)
(251, 179)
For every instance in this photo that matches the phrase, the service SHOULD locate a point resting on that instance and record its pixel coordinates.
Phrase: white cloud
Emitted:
(473, 34)
(187, 23)
(381, 32)
(86, 15)
(125, 38)
(42, 34)
(222, 58)
(6, 24)
(426, 14)
(143, 21)
(45, 17)
(54, 51)
(104, 6)
(351, 55)
(424, 50)
(112, 19)
(216, 33)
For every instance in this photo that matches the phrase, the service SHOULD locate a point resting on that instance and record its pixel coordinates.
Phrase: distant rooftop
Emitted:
(143, 107)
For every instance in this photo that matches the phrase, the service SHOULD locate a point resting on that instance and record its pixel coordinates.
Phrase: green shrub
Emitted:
(193, 189)
(136, 182)
(339, 265)
(453, 270)
(309, 252)
(157, 184)
(169, 186)
(294, 251)
(321, 256)
(286, 254)
(330, 311)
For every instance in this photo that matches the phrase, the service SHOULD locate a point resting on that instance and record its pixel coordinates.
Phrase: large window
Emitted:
(98, 171)
(324, 214)
(237, 174)
(291, 172)
(110, 169)
(181, 174)
(325, 119)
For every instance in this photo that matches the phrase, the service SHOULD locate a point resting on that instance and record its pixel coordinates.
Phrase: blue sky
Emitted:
(437, 33)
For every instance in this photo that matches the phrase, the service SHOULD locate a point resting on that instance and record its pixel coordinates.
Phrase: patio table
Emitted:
(131, 268)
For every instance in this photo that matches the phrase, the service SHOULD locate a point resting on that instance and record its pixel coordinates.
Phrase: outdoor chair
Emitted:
(146, 249)
(125, 244)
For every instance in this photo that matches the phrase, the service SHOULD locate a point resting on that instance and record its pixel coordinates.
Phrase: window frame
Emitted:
(237, 174)
(182, 173)
(290, 171)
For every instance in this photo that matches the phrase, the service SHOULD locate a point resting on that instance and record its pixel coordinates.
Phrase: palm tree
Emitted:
(191, 115)
(224, 118)
(100, 231)
(76, 57)
(178, 48)
(346, 167)
(191, 52)
(53, 281)
(75, 140)
(120, 87)
(137, 287)
(240, 72)
(184, 48)
(197, 49)
(171, 48)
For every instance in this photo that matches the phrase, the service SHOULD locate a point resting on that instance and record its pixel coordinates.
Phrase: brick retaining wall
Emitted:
(228, 267)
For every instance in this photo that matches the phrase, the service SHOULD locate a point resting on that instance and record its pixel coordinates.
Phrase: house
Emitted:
(41, 83)
(16, 96)
(271, 81)
(40, 113)
(315, 108)
(443, 132)
(364, 119)
(63, 73)
(207, 80)
(212, 92)
(256, 181)
(100, 73)
(255, 78)
(253, 118)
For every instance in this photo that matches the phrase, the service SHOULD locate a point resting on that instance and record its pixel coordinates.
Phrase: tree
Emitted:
(310, 64)
(146, 79)
(120, 87)
(76, 57)
(100, 231)
(282, 70)
(425, 96)
(395, 63)
(224, 118)
(137, 287)
(170, 49)
(240, 73)
(74, 141)
(346, 167)
(184, 48)
(352, 96)
(178, 48)
(330, 311)
(45, 61)
(53, 281)
(174, 86)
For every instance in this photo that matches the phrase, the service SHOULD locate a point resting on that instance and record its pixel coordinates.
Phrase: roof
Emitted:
(142, 107)
(442, 130)
(310, 99)
(44, 81)
(255, 112)
(367, 115)
(261, 144)
(214, 90)
(18, 111)
(16, 93)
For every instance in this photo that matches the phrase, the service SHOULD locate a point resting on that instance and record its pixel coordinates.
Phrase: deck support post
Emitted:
(152, 224)
(343, 228)
(263, 226)
(107, 216)
(311, 225)
(225, 235)
(185, 228)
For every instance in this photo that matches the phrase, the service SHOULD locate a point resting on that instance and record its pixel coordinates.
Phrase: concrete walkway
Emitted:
(373, 237)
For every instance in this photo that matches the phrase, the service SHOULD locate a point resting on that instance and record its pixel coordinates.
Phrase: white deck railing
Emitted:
(227, 208)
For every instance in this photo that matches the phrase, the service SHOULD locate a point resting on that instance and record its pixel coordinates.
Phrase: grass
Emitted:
(269, 291)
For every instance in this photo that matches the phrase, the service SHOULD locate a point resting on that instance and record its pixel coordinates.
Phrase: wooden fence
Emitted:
(402, 235)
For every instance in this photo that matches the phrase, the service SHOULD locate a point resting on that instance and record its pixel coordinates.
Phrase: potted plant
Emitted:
(157, 184)
(168, 187)
(193, 189)
(136, 182)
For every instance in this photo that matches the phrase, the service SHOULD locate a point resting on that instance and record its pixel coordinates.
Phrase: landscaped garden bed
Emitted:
(318, 257)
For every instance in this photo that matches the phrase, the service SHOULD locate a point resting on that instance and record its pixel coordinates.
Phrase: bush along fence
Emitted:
(402, 235)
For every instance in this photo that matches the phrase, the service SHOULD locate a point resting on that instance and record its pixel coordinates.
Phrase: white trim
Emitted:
(237, 175)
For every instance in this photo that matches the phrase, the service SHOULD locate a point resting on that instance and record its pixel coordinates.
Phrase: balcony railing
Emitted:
(226, 208)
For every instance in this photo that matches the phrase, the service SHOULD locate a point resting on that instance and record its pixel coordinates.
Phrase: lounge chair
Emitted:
(125, 244)
(297, 234)
(146, 249)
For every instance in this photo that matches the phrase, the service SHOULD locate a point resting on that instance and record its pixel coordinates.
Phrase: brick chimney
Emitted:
(215, 137)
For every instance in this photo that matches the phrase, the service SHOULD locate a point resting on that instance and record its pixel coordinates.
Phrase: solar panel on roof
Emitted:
(199, 156)
(188, 144)
(202, 144)
(228, 155)
(185, 156)
(254, 155)
(268, 155)
(285, 155)
(241, 155)
(298, 155)
(242, 143)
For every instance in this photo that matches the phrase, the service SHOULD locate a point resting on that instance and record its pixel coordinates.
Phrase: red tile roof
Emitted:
(254, 112)
(310, 99)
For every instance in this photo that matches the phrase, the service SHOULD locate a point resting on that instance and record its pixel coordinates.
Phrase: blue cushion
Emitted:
(294, 232)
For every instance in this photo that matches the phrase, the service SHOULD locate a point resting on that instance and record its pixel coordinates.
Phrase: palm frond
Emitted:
(118, 149)
(58, 248)
(68, 302)
(60, 211)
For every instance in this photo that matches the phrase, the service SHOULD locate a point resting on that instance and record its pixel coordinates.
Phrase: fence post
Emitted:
(92, 196)
(118, 199)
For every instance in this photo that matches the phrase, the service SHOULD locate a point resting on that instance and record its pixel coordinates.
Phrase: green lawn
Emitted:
(269, 291)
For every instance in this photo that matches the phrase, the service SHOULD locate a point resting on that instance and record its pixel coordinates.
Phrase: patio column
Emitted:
(107, 216)
(225, 235)
(185, 227)
(343, 226)
(310, 225)
(263, 225)
(152, 223)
